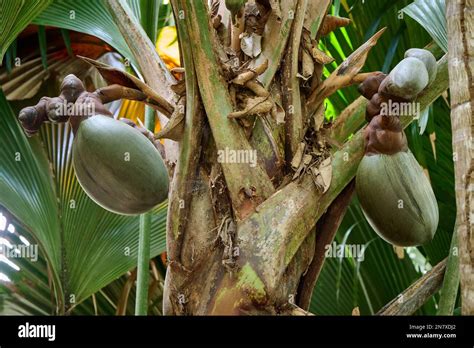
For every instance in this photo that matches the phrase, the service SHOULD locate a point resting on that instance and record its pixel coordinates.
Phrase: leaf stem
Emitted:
(141, 304)
(450, 287)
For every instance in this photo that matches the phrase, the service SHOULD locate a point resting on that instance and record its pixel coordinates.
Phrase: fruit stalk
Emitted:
(141, 306)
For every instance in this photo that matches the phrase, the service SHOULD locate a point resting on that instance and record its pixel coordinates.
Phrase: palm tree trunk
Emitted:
(460, 19)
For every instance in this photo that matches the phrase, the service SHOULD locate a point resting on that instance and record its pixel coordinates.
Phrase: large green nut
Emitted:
(406, 80)
(397, 199)
(118, 167)
(427, 58)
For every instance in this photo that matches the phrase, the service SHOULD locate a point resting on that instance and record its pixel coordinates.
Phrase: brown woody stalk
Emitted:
(410, 300)
(326, 229)
(291, 85)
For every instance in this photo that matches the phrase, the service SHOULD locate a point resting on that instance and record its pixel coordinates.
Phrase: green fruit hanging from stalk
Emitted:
(395, 195)
(118, 167)
(116, 163)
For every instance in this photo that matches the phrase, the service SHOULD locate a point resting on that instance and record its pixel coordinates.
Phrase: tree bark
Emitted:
(460, 20)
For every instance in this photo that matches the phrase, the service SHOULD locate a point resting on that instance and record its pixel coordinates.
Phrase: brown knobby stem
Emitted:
(87, 105)
(371, 85)
(48, 109)
(75, 104)
(384, 133)
(32, 117)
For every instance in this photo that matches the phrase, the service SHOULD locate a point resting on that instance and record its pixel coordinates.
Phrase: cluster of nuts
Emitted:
(412, 75)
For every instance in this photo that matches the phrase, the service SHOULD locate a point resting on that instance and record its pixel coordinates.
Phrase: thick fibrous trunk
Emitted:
(241, 251)
(460, 19)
